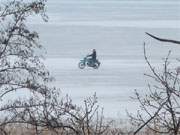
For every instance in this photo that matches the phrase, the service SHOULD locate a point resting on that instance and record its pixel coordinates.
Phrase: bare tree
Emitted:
(21, 69)
(87, 120)
(58, 116)
(160, 107)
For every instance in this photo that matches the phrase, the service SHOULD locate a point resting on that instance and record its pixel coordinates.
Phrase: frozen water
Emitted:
(116, 28)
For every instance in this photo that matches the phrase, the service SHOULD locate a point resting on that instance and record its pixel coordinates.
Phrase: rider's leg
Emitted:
(94, 61)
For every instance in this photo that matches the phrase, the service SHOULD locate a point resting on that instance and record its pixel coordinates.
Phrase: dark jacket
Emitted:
(93, 55)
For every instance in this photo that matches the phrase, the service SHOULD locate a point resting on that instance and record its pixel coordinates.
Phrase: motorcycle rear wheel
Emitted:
(96, 66)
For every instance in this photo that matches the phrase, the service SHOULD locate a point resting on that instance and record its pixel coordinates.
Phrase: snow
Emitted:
(117, 30)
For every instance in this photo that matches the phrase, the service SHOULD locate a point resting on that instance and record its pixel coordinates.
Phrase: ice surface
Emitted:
(116, 28)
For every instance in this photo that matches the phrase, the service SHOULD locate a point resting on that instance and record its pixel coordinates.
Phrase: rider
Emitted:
(93, 56)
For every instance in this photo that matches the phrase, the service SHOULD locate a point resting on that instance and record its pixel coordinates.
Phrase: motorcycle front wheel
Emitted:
(81, 65)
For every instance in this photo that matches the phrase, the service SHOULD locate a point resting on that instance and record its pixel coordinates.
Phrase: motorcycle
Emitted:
(88, 62)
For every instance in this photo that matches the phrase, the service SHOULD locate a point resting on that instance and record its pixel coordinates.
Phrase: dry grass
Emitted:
(20, 129)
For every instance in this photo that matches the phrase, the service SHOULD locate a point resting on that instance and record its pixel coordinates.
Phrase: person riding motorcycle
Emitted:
(90, 61)
(93, 56)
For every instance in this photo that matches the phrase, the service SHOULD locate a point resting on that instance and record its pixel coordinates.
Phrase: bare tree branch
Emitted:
(163, 40)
